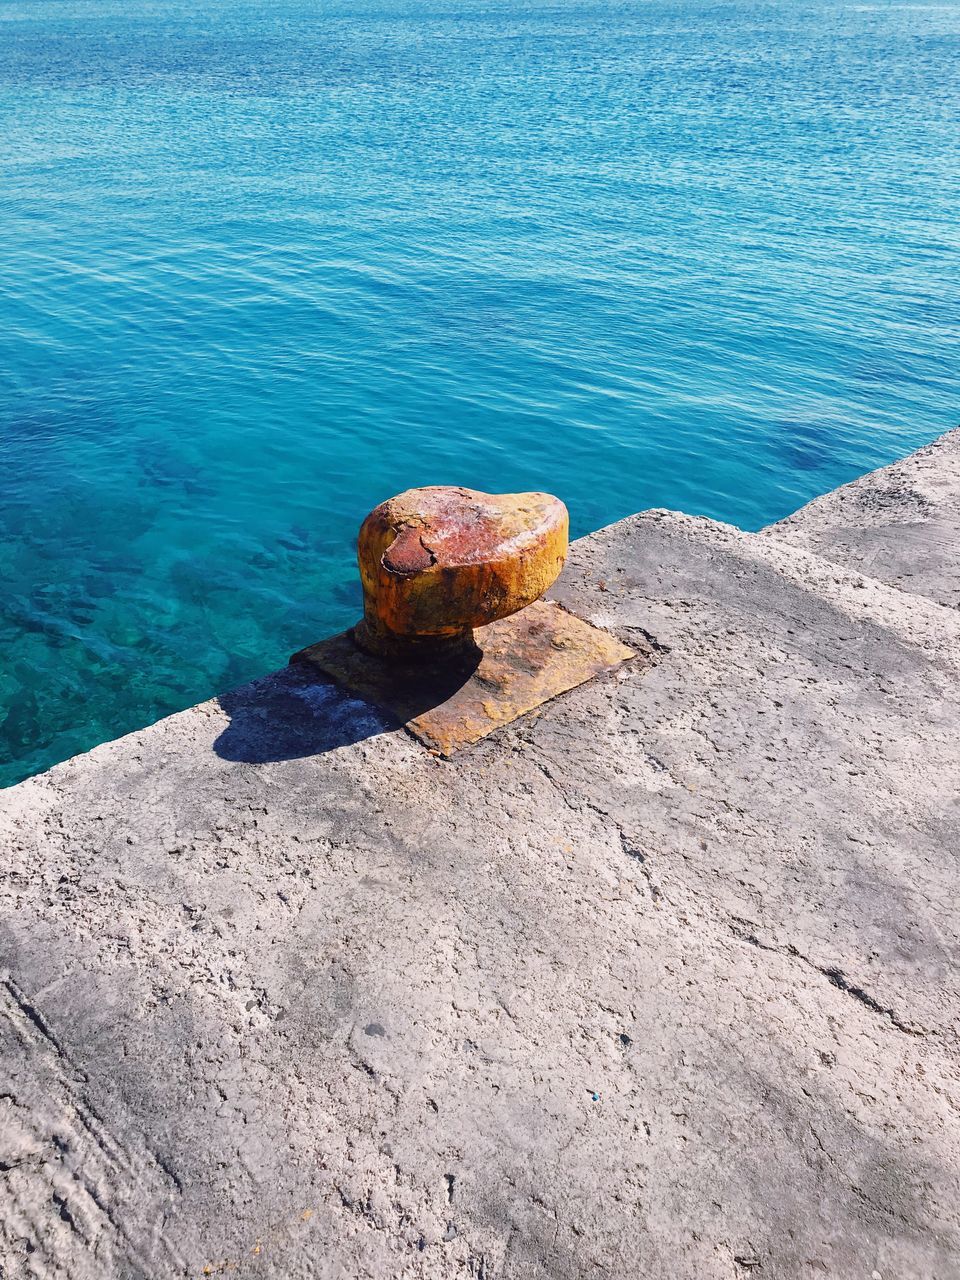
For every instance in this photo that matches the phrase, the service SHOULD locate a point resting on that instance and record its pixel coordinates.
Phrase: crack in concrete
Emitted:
(640, 858)
(882, 1211)
(742, 929)
(836, 977)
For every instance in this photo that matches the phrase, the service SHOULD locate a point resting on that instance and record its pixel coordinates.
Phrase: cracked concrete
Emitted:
(660, 981)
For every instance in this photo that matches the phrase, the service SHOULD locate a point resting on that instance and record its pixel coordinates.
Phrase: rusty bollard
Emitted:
(437, 562)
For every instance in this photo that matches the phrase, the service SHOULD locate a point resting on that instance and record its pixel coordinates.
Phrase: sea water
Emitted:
(264, 265)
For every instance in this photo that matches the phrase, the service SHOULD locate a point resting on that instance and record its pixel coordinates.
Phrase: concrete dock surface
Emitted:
(660, 981)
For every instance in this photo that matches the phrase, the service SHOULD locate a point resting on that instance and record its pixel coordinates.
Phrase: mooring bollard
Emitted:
(455, 640)
(437, 562)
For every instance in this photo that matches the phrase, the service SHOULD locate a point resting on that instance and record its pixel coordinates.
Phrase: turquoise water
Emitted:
(264, 265)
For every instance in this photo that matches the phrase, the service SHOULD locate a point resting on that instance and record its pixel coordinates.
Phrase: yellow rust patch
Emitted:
(523, 661)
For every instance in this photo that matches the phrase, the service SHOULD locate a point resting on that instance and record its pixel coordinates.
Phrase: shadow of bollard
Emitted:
(290, 715)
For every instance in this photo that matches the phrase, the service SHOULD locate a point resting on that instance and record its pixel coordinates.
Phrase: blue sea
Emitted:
(263, 265)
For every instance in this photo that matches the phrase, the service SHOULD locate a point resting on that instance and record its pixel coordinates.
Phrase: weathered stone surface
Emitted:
(661, 981)
(900, 524)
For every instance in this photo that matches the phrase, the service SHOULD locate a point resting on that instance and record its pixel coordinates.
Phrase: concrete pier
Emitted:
(661, 981)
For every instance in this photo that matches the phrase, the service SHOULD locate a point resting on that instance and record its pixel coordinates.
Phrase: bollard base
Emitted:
(521, 662)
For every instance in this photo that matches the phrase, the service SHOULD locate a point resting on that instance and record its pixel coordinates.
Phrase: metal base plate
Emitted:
(525, 660)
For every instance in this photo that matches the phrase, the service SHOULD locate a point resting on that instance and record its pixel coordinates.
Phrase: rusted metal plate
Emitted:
(526, 659)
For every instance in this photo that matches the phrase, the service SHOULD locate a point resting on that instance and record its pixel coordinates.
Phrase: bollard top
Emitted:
(442, 560)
